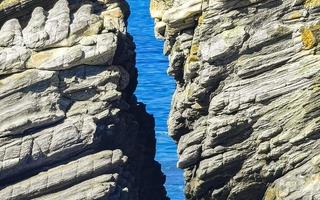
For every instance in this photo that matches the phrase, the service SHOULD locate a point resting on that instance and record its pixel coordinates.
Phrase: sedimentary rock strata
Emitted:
(245, 112)
(70, 126)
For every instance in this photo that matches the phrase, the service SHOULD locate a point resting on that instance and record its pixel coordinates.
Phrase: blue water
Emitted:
(155, 89)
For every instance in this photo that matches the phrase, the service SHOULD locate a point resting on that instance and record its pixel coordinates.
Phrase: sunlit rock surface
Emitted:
(245, 112)
(70, 126)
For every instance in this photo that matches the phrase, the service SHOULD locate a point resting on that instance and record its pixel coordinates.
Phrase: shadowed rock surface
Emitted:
(70, 126)
(246, 111)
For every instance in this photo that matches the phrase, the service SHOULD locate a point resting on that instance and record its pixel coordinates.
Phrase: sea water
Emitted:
(155, 89)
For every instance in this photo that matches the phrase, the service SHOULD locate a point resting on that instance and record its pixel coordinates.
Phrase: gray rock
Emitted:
(58, 21)
(85, 23)
(27, 108)
(64, 175)
(100, 187)
(182, 15)
(70, 127)
(10, 34)
(245, 113)
(34, 34)
(223, 45)
(13, 59)
(50, 144)
(101, 52)
(47, 29)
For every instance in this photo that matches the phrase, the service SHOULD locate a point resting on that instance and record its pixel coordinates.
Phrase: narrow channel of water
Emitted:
(155, 89)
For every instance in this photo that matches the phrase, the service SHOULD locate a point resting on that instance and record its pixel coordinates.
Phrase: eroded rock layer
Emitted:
(70, 126)
(245, 112)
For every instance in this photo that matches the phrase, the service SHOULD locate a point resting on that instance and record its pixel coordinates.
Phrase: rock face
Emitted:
(70, 126)
(246, 110)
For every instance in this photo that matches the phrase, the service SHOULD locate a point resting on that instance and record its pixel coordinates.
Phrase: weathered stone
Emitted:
(57, 24)
(64, 175)
(101, 52)
(10, 34)
(100, 187)
(178, 16)
(34, 34)
(85, 23)
(245, 113)
(13, 59)
(31, 107)
(223, 45)
(70, 126)
(50, 144)
(46, 30)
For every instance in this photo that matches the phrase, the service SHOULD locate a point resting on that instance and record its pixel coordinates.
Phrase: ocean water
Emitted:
(155, 89)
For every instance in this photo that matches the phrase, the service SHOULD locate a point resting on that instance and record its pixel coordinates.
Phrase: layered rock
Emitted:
(245, 112)
(70, 126)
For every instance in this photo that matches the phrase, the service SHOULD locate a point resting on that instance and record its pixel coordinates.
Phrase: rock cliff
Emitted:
(70, 126)
(245, 113)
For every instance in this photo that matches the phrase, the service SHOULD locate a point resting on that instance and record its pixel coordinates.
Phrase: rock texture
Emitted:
(245, 112)
(70, 126)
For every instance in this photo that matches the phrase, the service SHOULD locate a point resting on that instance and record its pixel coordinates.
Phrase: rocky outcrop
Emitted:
(245, 112)
(70, 126)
